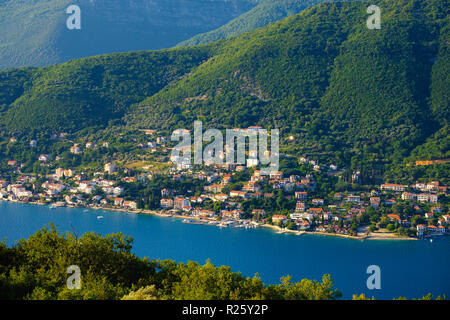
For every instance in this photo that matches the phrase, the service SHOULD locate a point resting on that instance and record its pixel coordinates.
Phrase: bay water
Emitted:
(408, 268)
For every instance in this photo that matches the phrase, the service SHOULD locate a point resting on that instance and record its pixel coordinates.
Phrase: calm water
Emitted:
(408, 268)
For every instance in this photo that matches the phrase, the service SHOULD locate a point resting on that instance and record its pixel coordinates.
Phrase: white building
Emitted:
(110, 168)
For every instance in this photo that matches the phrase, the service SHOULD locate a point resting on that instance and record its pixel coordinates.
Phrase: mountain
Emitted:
(34, 32)
(266, 12)
(346, 93)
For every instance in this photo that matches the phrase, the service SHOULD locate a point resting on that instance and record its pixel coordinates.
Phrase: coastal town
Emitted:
(293, 199)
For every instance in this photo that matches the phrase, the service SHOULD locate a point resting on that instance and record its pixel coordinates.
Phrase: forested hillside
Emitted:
(354, 96)
(35, 269)
(34, 32)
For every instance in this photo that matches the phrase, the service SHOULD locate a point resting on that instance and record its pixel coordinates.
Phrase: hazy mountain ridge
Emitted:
(34, 32)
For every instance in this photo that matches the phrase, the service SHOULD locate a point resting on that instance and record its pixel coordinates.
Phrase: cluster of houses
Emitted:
(64, 187)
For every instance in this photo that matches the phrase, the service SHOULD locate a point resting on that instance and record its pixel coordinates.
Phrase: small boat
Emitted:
(431, 240)
(86, 210)
(99, 217)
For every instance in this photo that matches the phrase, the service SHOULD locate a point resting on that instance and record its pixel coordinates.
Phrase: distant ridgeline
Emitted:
(355, 96)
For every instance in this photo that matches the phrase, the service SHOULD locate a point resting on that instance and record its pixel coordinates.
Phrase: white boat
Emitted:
(99, 217)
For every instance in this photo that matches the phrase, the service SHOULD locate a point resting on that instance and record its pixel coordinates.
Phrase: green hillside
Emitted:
(257, 76)
(380, 84)
(34, 32)
(268, 11)
(346, 93)
(440, 77)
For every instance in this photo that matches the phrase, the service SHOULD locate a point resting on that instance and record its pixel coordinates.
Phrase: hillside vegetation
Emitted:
(35, 269)
(341, 89)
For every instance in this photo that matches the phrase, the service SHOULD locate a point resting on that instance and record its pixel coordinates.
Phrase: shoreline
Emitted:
(276, 229)
(372, 236)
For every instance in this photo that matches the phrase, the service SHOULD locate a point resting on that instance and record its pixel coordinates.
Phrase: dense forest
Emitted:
(34, 32)
(36, 268)
(356, 97)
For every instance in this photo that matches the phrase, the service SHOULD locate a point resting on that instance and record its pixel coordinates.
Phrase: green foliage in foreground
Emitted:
(348, 95)
(36, 269)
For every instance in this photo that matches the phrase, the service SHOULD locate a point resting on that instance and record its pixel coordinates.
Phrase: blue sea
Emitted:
(408, 268)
